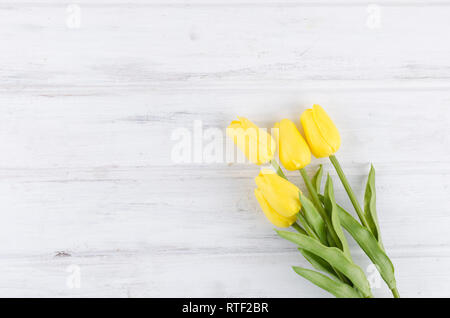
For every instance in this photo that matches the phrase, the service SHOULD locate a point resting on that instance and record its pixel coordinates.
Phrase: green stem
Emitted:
(277, 168)
(349, 190)
(395, 292)
(315, 198)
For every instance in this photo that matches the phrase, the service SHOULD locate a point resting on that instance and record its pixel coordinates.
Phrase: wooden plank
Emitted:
(118, 46)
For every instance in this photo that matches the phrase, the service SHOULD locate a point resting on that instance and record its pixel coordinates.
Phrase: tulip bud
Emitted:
(321, 133)
(281, 195)
(257, 145)
(275, 218)
(292, 148)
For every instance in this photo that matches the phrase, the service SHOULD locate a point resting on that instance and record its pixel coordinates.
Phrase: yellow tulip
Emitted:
(292, 148)
(281, 195)
(257, 145)
(321, 133)
(275, 218)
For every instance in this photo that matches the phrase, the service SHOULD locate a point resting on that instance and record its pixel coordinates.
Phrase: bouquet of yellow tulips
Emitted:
(318, 221)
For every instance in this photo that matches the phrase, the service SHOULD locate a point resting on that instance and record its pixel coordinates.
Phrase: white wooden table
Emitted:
(91, 203)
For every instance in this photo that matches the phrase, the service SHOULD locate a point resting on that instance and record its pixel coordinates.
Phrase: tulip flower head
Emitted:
(279, 199)
(292, 148)
(321, 133)
(257, 145)
(272, 215)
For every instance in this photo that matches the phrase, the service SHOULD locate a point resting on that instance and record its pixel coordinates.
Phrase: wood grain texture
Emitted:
(86, 116)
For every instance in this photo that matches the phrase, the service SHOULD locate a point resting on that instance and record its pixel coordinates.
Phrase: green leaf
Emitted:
(319, 263)
(369, 244)
(314, 219)
(331, 208)
(330, 240)
(334, 256)
(317, 179)
(309, 231)
(370, 210)
(338, 289)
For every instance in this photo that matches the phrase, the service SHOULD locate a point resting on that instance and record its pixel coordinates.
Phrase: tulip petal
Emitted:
(293, 149)
(257, 145)
(281, 195)
(327, 128)
(319, 147)
(275, 218)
